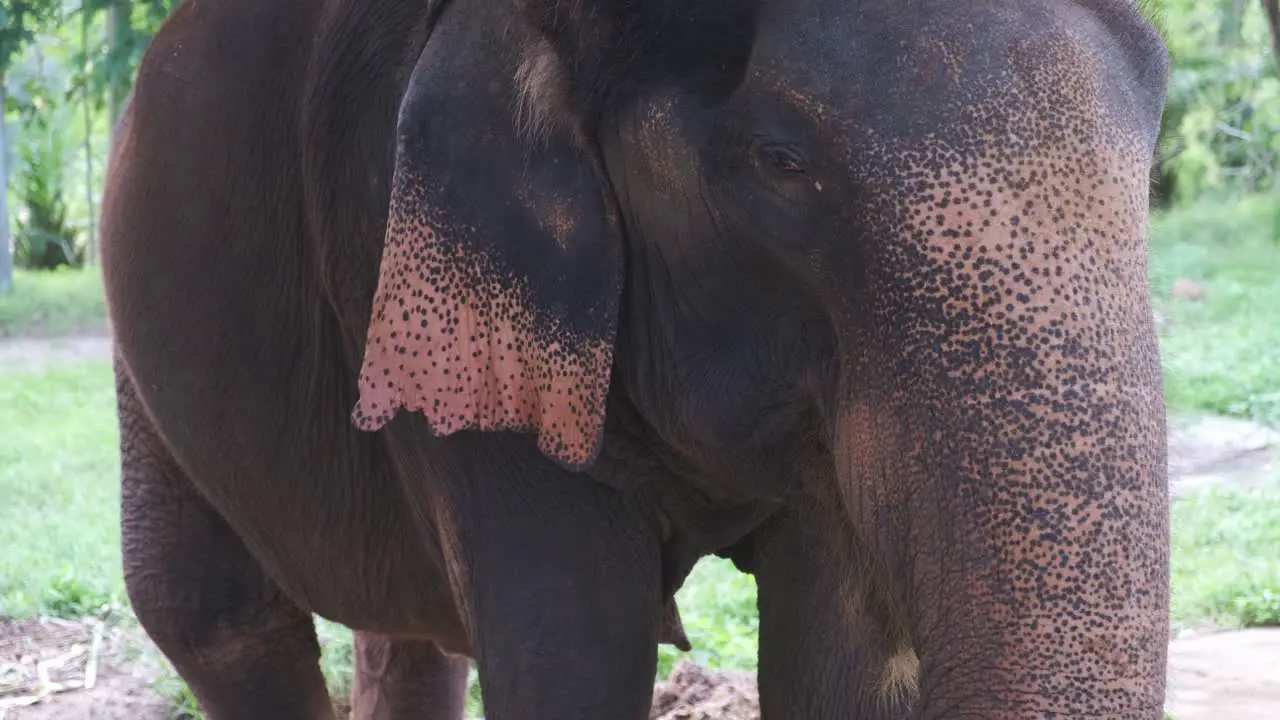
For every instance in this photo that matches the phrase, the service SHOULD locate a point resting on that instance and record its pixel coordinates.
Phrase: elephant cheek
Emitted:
(453, 336)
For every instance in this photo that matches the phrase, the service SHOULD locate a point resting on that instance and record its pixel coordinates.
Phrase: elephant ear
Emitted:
(497, 299)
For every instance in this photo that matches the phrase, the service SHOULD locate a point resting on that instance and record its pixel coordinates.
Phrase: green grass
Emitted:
(58, 480)
(1226, 556)
(1221, 354)
(59, 467)
(53, 303)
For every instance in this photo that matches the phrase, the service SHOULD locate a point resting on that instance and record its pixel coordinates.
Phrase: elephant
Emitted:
(474, 325)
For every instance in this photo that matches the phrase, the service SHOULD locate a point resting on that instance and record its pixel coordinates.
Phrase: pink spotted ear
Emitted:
(497, 299)
(464, 347)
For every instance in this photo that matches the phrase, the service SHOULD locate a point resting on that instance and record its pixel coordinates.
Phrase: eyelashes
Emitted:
(779, 158)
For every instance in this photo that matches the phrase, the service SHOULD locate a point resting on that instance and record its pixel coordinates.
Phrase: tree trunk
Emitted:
(6, 242)
(1272, 8)
(119, 32)
(91, 243)
(1232, 23)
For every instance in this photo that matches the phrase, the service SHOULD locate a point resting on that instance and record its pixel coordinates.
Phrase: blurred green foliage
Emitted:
(1221, 129)
(45, 238)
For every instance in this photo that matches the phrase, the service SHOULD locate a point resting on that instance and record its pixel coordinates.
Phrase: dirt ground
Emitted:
(54, 669)
(42, 352)
(72, 670)
(1228, 675)
(1213, 676)
(45, 665)
(692, 692)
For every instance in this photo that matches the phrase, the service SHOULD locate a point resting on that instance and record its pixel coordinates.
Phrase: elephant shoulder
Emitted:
(227, 49)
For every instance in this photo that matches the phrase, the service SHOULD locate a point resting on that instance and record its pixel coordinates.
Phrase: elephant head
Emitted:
(894, 251)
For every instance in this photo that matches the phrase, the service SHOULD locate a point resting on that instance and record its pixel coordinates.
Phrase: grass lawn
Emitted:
(1221, 354)
(59, 466)
(59, 471)
(1226, 557)
(53, 303)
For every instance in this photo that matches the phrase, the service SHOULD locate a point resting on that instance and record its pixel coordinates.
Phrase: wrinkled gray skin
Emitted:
(474, 325)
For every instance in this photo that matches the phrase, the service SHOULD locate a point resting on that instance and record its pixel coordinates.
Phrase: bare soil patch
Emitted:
(33, 353)
(1205, 450)
(1212, 675)
(693, 692)
(72, 669)
(1227, 675)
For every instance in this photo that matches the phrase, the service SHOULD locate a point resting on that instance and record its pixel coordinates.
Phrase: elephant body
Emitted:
(474, 325)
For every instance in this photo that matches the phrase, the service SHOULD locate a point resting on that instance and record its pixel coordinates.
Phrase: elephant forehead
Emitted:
(1007, 70)
(1026, 202)
(1008, 252)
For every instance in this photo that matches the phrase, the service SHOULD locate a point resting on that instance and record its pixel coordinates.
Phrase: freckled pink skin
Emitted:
(471, 359)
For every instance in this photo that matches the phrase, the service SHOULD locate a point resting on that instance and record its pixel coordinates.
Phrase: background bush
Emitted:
(1221, 128)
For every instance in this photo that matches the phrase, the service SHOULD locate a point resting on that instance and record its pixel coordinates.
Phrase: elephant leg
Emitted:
(399, 679)
(560, 578)
(823, 655)
(245, 650)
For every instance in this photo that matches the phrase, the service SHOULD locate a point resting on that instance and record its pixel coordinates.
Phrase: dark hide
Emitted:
(475, 325)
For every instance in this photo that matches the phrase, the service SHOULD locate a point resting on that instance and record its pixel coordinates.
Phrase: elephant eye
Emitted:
(781, 158)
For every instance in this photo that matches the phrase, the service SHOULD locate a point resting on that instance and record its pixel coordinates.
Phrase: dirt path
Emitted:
(1230, 675)
(1207, 450)
(46, 664)
(37, 353)
(1215, 676)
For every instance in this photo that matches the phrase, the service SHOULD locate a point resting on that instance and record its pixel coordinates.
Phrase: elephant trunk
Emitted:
(1001, 433)
(1026, 548)
(1021, 523)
